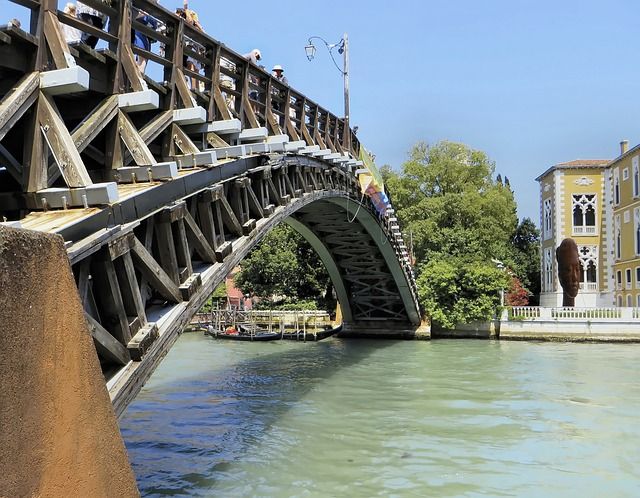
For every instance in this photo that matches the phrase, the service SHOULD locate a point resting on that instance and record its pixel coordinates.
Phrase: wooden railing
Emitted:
(226, 84)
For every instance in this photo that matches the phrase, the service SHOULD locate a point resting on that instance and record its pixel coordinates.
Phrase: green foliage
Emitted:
(445, 195)
(284, 268)
(460, 219)
(526, 254)
(455, 292)
(219, 296)
(303, 305)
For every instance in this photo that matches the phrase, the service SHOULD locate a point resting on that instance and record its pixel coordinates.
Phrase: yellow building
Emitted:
(572, 205)
(624, 245)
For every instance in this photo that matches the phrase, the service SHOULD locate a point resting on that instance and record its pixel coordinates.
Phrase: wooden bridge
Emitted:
(160, 186)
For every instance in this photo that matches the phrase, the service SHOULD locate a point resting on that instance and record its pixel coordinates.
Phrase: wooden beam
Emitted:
(95, 122)
(182, 141)
(156, 126)
(13, 166)
(254, 203)
(183, 89)
(167, 250)
(154, 273)
(183, 253)
(229, 217)
(107, 290)
(56, 41)
(107, 345)
(61, 144)
(198, 240)
(214, 140)
(138, 149)
(18, 101)
(131, 296)
(221, 104)
(35, 172)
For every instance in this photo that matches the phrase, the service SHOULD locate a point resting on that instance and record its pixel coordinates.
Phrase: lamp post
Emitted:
(500, 265)
(343, 48)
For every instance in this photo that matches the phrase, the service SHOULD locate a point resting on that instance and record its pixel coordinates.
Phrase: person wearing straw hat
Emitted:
(278, 72)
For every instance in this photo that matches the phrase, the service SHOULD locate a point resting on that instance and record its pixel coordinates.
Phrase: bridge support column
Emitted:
(385, 330)
(59, 435)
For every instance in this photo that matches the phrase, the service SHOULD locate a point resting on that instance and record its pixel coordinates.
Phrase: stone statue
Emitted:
(568, 271)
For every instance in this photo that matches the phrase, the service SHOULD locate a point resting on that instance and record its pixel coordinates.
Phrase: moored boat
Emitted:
(243, 335)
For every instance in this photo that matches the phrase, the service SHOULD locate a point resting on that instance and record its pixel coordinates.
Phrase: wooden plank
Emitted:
(183, 252)
(18, 101)
(35, 171)
(183, 89)
(11, 163)
(214, 140)
(207, 223)
(273, 123)
(138, 149)
(274, 192)
(197, 238)
(130, 290)
(95, 122)
(167, 251)
(107, 291)
(182, 141)
(90, 29)
(221, 104)
(257, 208)
(55, 40)
(154, 273)
(291, 129)
(84, 271)
(229, 217)
(106, 345)
(61, 144)
(156, 126)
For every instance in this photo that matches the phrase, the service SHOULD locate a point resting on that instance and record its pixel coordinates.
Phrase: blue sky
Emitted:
(530, 83)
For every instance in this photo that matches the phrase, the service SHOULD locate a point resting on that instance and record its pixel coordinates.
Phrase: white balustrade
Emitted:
(533, 313)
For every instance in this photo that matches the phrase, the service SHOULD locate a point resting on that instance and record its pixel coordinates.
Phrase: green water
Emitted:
(377, 418)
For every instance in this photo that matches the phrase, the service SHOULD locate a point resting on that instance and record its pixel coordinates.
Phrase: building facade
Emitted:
(625, 212)
(573, 199)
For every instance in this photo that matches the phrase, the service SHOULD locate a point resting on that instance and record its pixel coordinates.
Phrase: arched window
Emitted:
(588, 268)
(584, 214)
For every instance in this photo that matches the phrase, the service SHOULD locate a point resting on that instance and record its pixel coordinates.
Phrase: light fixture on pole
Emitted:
(343, 48)
(500, 266)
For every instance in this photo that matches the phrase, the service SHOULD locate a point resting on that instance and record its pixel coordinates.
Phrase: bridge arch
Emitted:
(159, 189)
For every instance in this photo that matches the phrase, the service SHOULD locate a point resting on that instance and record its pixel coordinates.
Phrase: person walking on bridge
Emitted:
(90, 16)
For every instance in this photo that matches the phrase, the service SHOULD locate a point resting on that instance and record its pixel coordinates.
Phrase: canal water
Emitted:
(380, 418)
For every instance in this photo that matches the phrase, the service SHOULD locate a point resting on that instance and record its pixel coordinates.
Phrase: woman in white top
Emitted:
(71, 34)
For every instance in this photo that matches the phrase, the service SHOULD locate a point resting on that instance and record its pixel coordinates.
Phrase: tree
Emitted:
(460, 219)
(453, 293)
(526, 255)
(285, 268)
(446, 196)
(516, 294)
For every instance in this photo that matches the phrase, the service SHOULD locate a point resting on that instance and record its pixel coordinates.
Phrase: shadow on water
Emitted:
(184, 434)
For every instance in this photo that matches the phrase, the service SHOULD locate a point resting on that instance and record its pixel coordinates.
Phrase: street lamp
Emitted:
(343, 48)
(500, 265)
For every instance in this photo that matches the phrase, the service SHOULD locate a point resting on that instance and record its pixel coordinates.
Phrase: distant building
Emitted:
(573, 197)
(623, 246)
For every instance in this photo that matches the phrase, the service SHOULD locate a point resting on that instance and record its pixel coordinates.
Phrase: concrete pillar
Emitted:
(59, 435)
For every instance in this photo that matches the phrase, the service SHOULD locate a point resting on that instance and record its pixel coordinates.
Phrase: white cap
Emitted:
(277, 67)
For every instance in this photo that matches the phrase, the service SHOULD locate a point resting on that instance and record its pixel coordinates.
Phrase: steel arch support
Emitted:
(371, 225)
(329, 264)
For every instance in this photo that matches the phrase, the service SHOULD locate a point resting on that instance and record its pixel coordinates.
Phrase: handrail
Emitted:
(224, 83)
